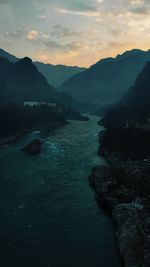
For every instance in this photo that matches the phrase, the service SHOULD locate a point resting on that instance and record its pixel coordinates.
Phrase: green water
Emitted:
(49, 216)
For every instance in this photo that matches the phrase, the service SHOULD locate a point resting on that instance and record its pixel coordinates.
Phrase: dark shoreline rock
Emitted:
(10, 139)
(125, 143)
(85, 118)
(123, 190)
(33, 148)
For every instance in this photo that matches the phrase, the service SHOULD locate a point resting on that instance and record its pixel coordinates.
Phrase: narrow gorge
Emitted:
(49, 214)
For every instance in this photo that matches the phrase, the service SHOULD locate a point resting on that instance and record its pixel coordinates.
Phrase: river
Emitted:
(49, 217)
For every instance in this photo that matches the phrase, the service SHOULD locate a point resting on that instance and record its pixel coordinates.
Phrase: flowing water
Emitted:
(49, 217)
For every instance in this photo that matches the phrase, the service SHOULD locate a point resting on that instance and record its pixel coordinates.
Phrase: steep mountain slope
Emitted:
(21, 81)
(57, 74)
(8, 56)
(137, 99)
(134, 107)
(122, 188)
(109, 79)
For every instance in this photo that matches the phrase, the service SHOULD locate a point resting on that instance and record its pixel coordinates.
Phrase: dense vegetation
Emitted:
(15, 119)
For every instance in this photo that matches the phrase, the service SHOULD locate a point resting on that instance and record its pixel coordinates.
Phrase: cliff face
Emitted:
(123, 190)
(125, 143)
(123, 187)
(134, 107)
(137, 99)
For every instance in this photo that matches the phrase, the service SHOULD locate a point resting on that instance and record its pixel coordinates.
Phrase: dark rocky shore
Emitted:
(123, 190)
(46, 128)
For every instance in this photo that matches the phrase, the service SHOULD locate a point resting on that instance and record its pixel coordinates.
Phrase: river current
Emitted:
(49, 217)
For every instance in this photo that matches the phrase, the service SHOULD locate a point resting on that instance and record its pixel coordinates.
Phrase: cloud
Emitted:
(115, 32)
(78, 5)
(55, 46)
(60, 32)
(6, 13)
(88, 13)
(71, 31)
(31, 35)
(137, 2)
(4, 2)
(141, 10)
(15, 34)
(41, 16)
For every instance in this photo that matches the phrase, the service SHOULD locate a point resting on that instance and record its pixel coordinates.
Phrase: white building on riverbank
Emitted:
(34, 103)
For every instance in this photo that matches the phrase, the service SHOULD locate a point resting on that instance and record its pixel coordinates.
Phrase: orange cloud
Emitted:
(32, 34)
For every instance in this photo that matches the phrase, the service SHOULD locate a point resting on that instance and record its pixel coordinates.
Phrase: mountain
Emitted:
(137, 99)
(134, 107)
(57, 74)
(21, 81)
(107, 80)
(124, 184)
(8, 56)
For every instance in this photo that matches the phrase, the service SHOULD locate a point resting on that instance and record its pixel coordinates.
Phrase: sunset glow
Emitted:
(74, 32)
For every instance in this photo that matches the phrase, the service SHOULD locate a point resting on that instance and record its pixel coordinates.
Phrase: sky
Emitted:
(73, 32)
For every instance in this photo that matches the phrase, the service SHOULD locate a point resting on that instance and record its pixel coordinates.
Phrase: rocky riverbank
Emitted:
(45, 129)
(123, 189)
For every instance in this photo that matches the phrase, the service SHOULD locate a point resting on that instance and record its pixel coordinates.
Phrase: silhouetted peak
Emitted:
(129, 53)
(103, 60)
(25, 60)
(26, 64)
(118, 57)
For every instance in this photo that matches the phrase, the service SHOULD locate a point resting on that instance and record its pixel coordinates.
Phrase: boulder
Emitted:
(33, 148)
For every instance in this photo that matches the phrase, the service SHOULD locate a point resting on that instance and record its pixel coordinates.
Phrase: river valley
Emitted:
(49, 216)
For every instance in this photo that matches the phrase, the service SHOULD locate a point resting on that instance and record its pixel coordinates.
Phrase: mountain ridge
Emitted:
(108, 79)
(55, 74)
(21, 81)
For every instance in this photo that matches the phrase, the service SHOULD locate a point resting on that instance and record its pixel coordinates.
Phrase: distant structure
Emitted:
(34, 103)
(31, 103)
